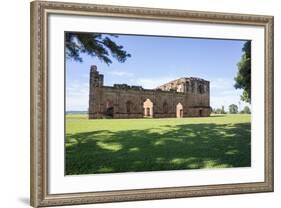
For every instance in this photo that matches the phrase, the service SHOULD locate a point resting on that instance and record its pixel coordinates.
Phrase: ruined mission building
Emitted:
(184, 97)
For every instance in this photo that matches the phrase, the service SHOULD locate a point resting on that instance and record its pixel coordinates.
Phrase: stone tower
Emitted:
(96, 79)
(96, 82)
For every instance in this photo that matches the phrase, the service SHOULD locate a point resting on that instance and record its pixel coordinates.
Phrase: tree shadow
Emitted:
(187, 146)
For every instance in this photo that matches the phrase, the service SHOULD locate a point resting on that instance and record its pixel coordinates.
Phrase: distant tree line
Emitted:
(232, 109)
(246, 110)
(218, 110)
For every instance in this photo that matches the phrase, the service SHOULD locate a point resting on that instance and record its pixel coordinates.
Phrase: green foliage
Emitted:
(233, 109)
(243, 77)
(218, 111)
(246, 110)
(122, 145)
(93, 44)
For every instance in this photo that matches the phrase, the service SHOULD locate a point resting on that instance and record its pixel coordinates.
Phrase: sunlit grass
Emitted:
(124, 145)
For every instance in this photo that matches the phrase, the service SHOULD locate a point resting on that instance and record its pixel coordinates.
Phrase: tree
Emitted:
(233, 109)
(243, 77)
(246, 110)
(217, 111)
(93, 44)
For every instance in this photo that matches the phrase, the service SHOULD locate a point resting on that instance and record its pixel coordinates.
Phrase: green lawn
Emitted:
(126, 145)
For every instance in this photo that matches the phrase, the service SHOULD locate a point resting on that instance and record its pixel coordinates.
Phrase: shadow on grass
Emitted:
(188, 146)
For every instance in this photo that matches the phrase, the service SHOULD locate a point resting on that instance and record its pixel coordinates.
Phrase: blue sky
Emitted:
(156, 60)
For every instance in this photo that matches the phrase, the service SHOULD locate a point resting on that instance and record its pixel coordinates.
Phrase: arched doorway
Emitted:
(200, 112)
(179, 110)
(148, 108)
(109, 110)
(129, 105)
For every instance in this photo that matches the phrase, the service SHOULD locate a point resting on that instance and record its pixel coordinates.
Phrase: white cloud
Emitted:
(120, 73)
(149, 83)
(221, 84)
(223, 93)
(77, 95)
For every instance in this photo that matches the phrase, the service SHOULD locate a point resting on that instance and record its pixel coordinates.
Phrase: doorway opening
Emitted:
(200, 113)
(109, 109)
(148, 108)
(179, 110)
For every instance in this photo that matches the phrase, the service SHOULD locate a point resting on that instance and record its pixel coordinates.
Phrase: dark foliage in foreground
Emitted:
(93, 44)
(188, 146)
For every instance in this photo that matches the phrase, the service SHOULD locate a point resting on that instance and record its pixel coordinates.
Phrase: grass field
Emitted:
(126, 145)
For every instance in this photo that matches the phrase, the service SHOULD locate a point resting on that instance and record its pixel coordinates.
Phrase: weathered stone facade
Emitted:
(184, 97)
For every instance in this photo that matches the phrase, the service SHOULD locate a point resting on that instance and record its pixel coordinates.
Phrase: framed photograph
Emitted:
(142, 103)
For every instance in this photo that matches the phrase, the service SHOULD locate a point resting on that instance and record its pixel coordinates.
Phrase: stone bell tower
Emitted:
(96, 82)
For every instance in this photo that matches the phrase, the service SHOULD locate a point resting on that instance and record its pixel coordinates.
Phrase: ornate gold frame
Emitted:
(39, 103)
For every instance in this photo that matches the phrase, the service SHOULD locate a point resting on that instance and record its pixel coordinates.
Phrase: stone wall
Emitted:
(123, 101)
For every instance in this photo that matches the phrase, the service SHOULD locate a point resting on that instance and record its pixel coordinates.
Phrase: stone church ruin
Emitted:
(184, 97)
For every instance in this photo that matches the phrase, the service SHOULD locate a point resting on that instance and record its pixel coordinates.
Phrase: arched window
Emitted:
(187, 86)
(201, 89)
(192, 86)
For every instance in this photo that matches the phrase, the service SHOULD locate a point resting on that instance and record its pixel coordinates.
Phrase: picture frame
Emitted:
(40, 89)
